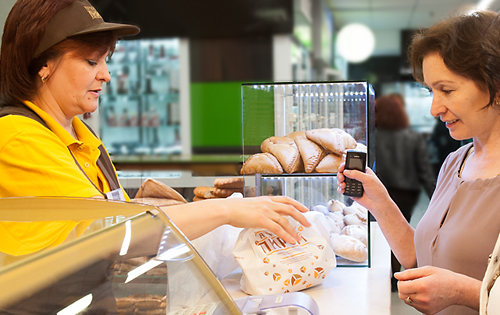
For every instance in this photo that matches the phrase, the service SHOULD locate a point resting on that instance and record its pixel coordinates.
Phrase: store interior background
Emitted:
(180, 78)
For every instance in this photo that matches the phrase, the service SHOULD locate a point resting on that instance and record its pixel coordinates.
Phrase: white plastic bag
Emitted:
(270, 265)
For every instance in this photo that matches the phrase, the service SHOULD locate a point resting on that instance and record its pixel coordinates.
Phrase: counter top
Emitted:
(348, 290)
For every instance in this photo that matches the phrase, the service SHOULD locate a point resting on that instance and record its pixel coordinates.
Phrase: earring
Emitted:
(44, 79)
(497, 102)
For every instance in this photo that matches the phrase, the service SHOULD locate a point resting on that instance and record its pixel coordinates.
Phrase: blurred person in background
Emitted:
(402, 160)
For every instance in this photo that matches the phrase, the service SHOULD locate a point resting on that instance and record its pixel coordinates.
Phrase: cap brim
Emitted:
(119, 29)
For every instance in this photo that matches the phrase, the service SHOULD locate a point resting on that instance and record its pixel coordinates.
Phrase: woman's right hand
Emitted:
(375, 194)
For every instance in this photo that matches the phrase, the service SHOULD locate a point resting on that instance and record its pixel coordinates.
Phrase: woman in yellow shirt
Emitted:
(53, 62)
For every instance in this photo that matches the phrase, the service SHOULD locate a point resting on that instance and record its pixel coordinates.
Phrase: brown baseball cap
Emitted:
(79, 18)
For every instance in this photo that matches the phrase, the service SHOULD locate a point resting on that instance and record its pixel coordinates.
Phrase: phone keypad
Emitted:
(353, 188)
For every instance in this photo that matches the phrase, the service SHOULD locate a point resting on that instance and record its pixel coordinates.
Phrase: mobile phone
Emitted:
(355, 160)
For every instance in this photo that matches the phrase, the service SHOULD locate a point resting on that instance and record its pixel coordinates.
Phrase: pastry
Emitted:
(261, 163)
(124, 303)
(156, 189)
(330, 164)
(233, 182)
(356, 219)
(296, 134)
(353, 209)
(332, 140)
(140, 296)
(286, 151)
(148, 304)
(204, 192)
(158, 202)
(361, 147)
(335, 205)
(250, 191)
(359, 232)
(224, 193)
(196, 198)
(350, 248)
(310, 152)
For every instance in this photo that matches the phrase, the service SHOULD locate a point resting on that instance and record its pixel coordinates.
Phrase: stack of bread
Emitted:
(352, 241)
(142, 304)
(130, 264)
(316, 150)
(223, 188)
(349, 230)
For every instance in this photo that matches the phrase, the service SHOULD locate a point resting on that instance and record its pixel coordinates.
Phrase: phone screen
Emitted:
(356, 164)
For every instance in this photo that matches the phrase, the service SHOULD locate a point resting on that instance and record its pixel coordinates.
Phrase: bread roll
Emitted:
(359, 232)
(156, 189)
(361, 147)
(356, 219)
(310, 152)
(333, 140)
(262, 163)
(350, 248)
(148, 304)
(250, 191)
(233, 182)
(338, 217)
(335, 205)
(196, 198)
(330, 164)
(204, 192)
(158, 202)
(224, 193)
(286, 151)
(355, 208)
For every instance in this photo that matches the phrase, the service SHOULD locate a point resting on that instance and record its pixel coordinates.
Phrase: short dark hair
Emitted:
(23, 30)
(390, 113)
(469, 46)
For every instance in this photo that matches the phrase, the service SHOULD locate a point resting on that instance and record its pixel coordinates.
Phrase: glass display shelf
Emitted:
(284, 108)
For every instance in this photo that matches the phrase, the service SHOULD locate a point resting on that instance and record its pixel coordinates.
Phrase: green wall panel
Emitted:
(216, 114)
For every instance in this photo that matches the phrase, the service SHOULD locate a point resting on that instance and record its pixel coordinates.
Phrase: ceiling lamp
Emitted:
(355, 42)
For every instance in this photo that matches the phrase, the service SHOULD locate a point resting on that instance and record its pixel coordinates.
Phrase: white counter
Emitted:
(348, 290)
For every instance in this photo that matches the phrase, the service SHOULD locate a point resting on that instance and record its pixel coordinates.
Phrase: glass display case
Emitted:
(130, 260)
(285, 108)
(139, 108)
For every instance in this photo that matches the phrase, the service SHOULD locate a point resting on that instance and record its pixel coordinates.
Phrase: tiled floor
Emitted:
(398, 307)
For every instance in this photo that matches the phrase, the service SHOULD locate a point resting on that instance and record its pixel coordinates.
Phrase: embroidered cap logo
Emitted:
(93, 12)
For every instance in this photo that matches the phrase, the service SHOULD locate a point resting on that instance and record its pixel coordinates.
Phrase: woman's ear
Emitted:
(44, 73)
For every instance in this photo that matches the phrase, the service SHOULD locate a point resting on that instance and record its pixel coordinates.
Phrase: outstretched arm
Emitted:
(198, 218)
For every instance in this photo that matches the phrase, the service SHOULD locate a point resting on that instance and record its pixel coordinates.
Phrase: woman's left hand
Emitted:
(431, 289)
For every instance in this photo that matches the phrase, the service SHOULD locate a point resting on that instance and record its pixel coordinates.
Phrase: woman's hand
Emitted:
(431, 289)
(374, 193)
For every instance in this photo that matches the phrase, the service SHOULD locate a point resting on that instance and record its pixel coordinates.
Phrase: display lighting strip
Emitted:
(77, 307)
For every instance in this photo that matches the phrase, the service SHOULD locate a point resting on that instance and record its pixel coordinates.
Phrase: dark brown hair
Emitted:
(390, 113)
(23, 30)
(469, 46)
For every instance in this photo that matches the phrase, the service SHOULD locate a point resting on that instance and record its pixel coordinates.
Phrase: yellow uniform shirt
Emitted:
(35, 161)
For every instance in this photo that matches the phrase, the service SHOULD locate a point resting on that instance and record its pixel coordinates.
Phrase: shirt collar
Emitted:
(84, 134)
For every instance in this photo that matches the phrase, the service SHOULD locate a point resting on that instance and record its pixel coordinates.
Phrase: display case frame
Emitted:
(31, 275)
